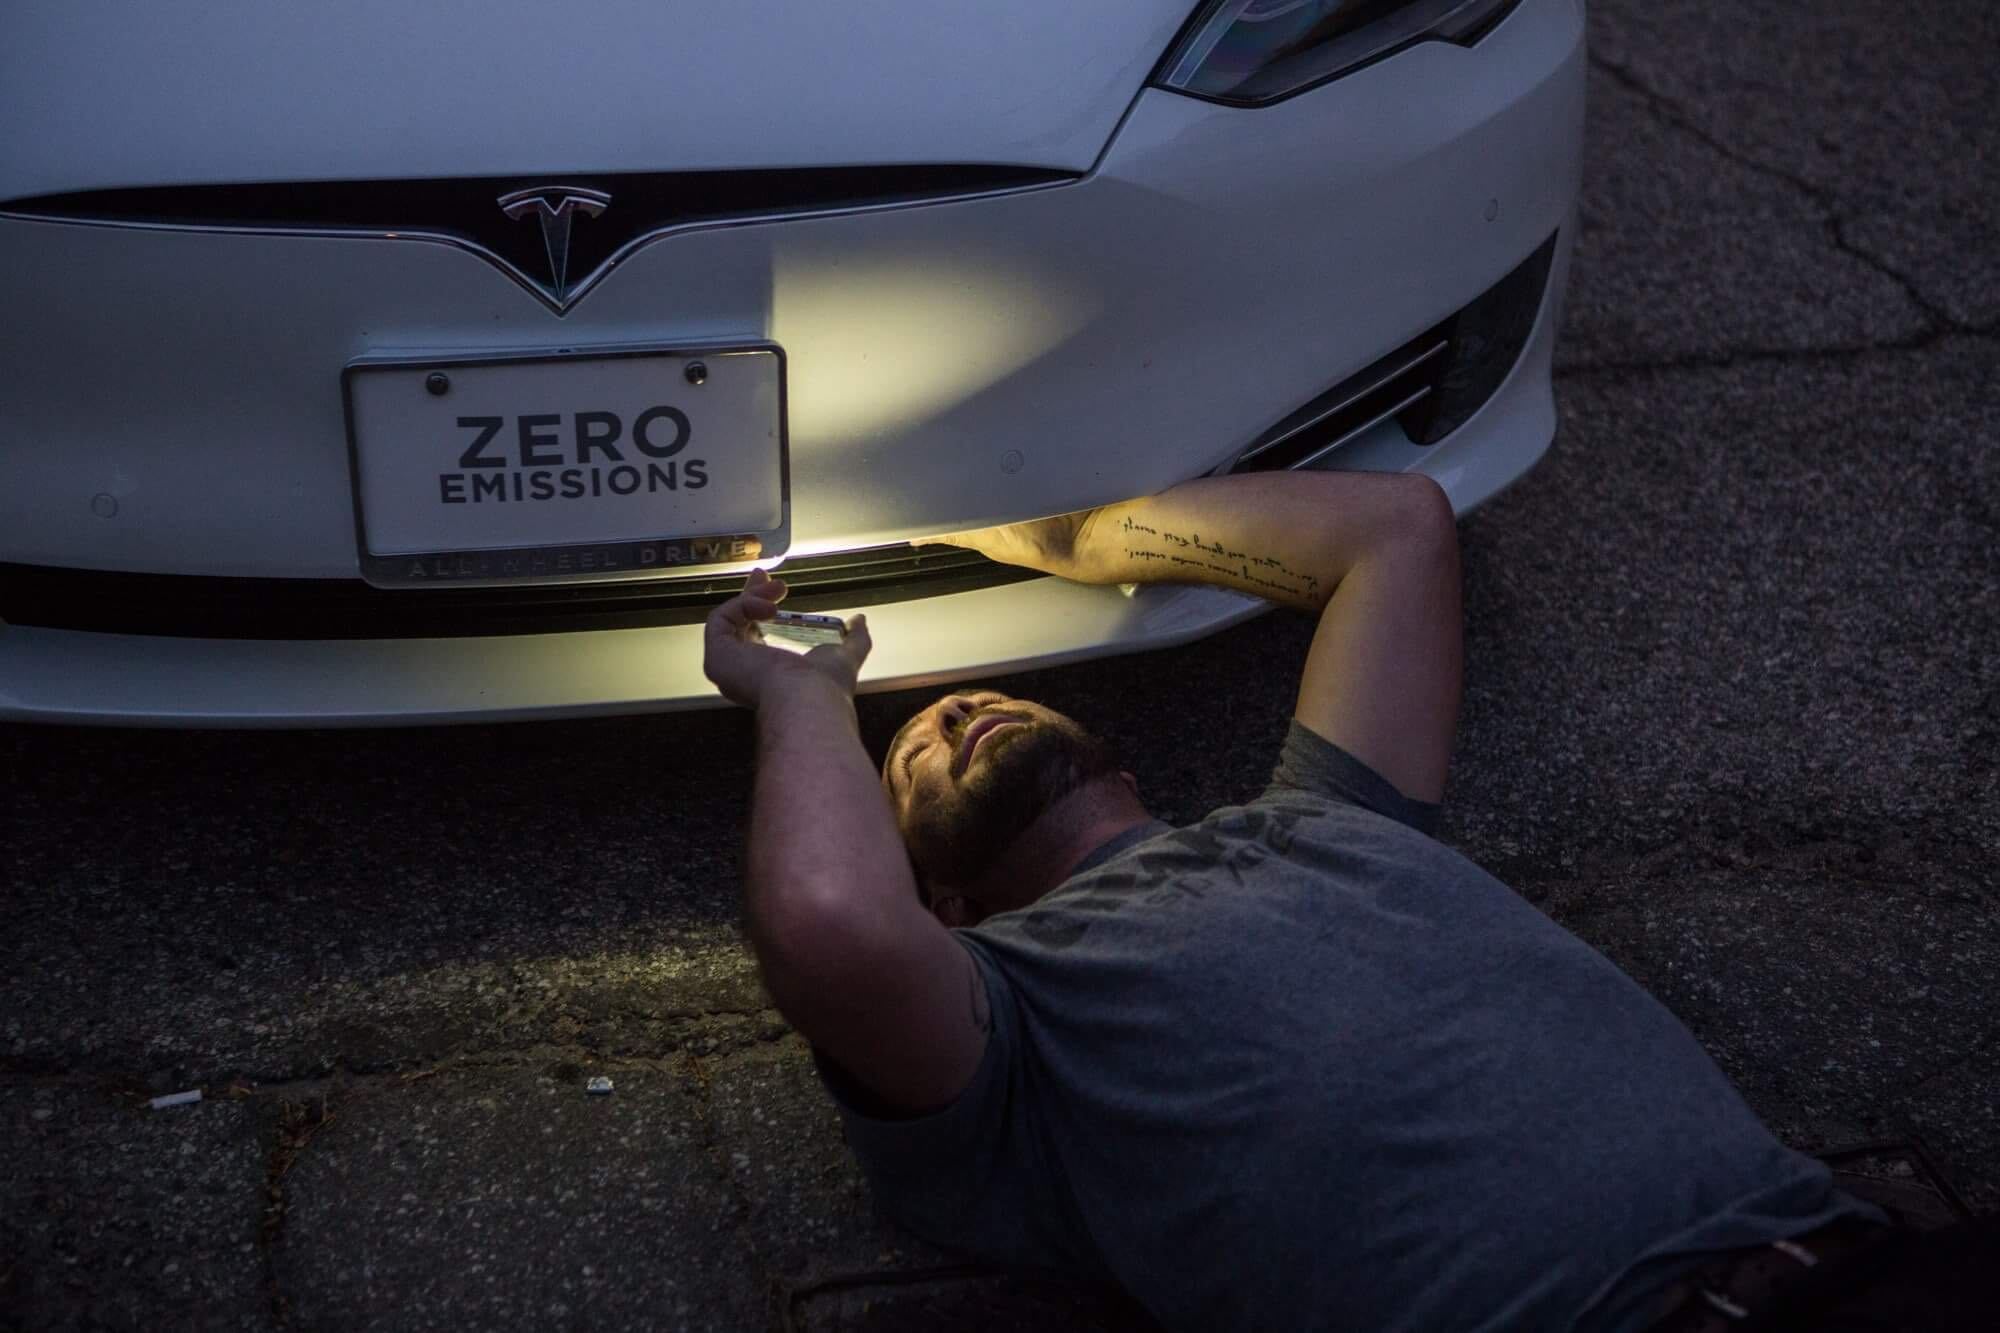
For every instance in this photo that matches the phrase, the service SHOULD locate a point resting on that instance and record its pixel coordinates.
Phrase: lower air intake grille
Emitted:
(193, 606)
(1397, 383)
(1431, 385)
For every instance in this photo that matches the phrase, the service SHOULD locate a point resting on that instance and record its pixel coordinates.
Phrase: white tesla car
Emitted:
(385, 362)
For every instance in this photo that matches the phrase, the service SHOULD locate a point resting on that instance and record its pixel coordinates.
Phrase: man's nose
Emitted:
(954, 710)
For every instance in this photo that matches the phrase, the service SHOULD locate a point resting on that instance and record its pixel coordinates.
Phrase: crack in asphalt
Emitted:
(1836, 229)
(724, 1031)
(1563, 882)
(696, 1077)
(1747, 356)
(298, 1109)
(296, 1128)
(1951, 1066)
(1836, 219)
(303, 1107)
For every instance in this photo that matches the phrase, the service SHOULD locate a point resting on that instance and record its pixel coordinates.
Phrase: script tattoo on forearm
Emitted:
(1177, 551)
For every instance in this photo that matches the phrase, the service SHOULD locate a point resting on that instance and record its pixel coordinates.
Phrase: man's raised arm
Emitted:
(850, 955)
(1374, 555)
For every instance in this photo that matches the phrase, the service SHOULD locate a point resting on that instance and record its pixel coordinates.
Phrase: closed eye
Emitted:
(909, 762)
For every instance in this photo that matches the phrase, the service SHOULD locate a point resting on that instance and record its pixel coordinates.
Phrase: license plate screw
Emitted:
(438, 383)
(696, 373)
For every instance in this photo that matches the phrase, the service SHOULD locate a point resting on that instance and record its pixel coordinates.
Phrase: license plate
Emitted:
(568, 468)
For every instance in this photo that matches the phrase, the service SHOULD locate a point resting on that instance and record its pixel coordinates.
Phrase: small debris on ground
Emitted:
(599, 1085)
(176, 1099)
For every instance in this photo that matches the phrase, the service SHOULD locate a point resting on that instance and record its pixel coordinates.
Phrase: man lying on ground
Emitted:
(1295, 1066)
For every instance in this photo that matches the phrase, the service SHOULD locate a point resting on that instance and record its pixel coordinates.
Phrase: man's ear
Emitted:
(1131, 782)
(955, 910)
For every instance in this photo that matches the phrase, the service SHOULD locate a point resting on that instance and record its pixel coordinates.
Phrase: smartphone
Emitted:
(797, 627)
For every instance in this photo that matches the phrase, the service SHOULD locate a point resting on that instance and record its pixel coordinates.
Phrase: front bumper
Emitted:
(952, 366)
(149, 680)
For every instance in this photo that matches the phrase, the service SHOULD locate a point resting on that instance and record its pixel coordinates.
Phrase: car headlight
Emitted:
(1249, 52)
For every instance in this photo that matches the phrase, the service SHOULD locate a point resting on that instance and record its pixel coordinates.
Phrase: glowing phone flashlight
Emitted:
(801, 630)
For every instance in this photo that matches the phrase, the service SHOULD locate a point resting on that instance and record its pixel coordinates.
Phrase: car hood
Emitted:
(246, 90)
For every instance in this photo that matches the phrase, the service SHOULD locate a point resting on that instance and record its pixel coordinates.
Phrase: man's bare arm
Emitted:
(1374, 555)
(848, 952)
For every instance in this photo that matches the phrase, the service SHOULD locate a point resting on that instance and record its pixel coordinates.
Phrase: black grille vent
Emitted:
(1486, 340)
(191, 606)
(1431, 385)
(1395, 384)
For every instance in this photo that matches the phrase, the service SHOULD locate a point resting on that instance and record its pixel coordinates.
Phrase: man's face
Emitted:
(969, 774)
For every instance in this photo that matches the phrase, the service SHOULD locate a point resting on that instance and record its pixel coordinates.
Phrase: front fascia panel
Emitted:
(125, 680)
(948, 366)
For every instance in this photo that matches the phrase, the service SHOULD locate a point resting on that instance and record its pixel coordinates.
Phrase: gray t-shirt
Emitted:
(1299, 1066)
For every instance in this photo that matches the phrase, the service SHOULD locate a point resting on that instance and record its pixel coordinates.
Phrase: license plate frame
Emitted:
(669, 554)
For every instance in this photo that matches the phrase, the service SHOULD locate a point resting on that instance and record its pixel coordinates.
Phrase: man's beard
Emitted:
(956, 839)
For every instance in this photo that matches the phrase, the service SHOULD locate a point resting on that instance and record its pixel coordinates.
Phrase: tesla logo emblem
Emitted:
(555, 206)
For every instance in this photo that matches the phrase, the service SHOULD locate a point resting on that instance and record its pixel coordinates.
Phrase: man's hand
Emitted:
(746, 669)
(1050, 545)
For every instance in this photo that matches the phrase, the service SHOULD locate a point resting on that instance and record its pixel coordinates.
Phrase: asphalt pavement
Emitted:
(1732, 712)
